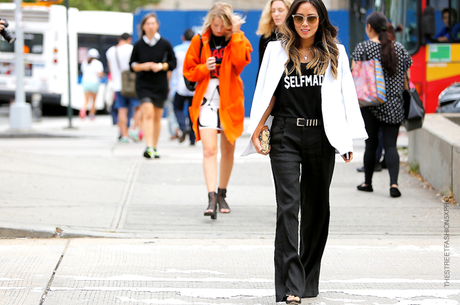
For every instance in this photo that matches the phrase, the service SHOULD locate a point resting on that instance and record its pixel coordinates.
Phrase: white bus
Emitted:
(45, 51)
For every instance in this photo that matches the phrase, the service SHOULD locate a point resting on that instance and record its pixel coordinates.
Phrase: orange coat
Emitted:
(237, 55)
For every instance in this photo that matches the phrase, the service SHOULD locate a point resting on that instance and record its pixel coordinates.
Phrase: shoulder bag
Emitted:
(189, 84)
(369, 81)
(128, 80)
(414, 112)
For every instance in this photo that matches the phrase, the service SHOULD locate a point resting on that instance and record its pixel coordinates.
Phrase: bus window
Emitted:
(32, 42)
(447, 20)
(100, 42)
(405, 14)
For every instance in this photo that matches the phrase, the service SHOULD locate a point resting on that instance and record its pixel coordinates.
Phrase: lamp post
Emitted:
(69, 91)
(20, 111)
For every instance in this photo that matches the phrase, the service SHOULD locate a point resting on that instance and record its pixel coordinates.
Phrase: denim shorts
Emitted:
(125, 102)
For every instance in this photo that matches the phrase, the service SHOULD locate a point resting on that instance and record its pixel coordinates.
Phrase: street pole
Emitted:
(20, 111)
(69, 91)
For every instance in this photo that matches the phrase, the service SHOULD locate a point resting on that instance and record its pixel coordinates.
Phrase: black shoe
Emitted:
(365, 188)
(148, 153)
(394, 192)
(155, 153)
(212, 205)
(221, 194)
(182, 136)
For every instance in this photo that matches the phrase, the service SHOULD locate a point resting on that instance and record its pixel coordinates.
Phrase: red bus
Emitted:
(431, 35)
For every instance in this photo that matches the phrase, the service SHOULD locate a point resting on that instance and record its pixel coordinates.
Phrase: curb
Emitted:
(26, 135)
(20, 232)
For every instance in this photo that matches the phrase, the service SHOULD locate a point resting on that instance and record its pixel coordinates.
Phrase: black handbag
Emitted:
(414, 112)
(189, 84)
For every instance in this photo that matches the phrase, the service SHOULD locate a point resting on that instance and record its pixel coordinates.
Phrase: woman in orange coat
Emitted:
(215, 60)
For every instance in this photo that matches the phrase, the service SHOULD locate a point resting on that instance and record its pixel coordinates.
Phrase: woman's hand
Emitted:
(236, 25)
(255, 136)
(146, 66)
(157, 67)
(211, 63)
(256, 141)
(350, 157)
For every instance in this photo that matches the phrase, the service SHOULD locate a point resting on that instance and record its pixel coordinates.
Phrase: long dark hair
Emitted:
(378, 23)
(324, 48)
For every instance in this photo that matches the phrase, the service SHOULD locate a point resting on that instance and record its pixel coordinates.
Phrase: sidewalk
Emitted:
(162, 250)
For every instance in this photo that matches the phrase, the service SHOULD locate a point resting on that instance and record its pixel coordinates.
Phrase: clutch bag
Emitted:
(264, 138)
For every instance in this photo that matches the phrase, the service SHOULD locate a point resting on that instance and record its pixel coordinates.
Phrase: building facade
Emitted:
(237, 4)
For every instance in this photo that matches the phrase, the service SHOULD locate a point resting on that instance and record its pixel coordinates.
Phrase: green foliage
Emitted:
(111, 5)
(104, 5)
(414, 168)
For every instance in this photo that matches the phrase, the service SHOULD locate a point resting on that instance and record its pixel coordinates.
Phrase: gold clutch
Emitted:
(264, 138)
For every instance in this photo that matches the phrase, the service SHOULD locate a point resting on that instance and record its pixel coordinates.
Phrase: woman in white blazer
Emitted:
(305, 94)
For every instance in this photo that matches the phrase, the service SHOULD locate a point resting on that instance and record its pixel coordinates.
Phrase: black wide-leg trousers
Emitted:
(302, 161)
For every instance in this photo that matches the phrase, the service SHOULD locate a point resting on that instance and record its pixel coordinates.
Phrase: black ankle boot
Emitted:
(212, 205)
(221, 194)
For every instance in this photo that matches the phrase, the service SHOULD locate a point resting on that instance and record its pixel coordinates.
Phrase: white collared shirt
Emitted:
(153, 41)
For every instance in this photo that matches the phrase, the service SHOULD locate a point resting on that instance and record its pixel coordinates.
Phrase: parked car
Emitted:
(449, 98)
(450, 108)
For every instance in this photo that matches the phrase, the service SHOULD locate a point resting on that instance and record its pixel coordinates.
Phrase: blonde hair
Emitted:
(324, 47)
(266, 24)
(221, 10)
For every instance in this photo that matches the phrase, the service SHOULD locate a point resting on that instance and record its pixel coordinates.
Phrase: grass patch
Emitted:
(414, 168)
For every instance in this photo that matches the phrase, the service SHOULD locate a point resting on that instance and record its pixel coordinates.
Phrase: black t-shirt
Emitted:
(217, 45)
(148, 83)
(299, 96)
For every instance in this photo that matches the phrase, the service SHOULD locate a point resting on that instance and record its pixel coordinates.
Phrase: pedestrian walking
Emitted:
(215, 60)
(273, 15)
(92, 72)
(379, 155)
(151, 58)
(118, 61)
(182, 96)
(388, 116)
(305, 95)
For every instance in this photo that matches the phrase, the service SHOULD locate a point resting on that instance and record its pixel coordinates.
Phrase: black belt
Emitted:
(301, 122)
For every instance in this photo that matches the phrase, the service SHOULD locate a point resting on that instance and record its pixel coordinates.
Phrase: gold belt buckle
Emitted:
(298, 122)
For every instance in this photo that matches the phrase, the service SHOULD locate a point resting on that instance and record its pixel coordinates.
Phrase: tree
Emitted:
(103, 5)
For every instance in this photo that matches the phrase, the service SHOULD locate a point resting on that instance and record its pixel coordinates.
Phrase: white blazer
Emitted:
(339, 103)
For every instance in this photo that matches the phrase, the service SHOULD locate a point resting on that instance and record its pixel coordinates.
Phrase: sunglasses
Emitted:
(299, 19)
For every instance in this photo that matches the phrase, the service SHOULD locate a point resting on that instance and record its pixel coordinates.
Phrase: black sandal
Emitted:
(365, 187)
(293, 299)
(394, 192)
(212, 205)
(221, 194)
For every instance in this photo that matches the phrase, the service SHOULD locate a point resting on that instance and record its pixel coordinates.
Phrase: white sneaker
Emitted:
(134, 135)
(124, 140)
